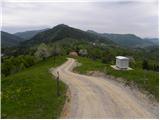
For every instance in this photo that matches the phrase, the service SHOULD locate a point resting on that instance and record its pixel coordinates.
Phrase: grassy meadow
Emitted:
(31, 93)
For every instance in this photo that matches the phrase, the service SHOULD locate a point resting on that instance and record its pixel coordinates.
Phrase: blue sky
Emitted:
(138, 17)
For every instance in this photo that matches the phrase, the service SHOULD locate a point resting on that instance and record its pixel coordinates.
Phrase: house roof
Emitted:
(73, 53)
(122, 57)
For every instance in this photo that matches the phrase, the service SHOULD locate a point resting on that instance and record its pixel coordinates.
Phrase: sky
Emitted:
(138, 17)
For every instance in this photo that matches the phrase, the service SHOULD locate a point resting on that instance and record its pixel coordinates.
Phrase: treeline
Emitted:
(150, 66)
(13, 64)
(107, 55)
(17, 62)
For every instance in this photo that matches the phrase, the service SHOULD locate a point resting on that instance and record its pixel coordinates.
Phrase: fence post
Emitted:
(58, 92)
(105, 69)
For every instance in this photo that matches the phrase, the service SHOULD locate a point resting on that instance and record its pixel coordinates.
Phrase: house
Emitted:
(122, 62)
(73, 53)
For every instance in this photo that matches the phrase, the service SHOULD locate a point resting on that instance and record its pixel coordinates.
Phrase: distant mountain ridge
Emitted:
(9, 40)
(62, 31)
(153, 40)
(65, 32)
(127, 40)
(26, 35)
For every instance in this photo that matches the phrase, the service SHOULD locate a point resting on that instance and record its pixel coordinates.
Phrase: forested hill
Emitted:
(9, 40)
(26, 35)
(153, 40)
(61, 32)
(128, 40)
(64, 32)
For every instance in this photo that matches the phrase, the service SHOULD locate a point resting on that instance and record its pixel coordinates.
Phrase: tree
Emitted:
(6, 67)
(11, 65)
(156, 68)
(83, 52)
(145, 65)
(42, 51)
(94, 53)
(107, 57)
(55, 50)
(29, 60)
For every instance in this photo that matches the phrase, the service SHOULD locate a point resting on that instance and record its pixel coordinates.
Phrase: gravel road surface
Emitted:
(98, 97)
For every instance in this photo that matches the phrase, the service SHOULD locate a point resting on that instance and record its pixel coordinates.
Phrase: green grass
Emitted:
(31, 93)
(89, 65)
(136, 76)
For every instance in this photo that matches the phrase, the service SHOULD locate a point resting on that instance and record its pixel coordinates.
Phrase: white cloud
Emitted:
(118, 16)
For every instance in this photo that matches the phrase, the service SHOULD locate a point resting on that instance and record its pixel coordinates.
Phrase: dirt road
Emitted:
(97, 97)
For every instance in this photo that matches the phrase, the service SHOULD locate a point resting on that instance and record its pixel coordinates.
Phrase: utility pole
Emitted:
(105, 69)
(145, 78)
(58, 92)
(145, 70)
(54, 55)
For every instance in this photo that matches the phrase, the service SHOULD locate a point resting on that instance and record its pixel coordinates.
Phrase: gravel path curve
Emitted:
(97, 97)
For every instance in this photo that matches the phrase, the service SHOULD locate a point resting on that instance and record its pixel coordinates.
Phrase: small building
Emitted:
(122, 62)
(73, 54)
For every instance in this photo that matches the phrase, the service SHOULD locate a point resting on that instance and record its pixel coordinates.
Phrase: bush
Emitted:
(11, 65)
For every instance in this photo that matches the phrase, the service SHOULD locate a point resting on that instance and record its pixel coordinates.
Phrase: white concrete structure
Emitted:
(122, 62)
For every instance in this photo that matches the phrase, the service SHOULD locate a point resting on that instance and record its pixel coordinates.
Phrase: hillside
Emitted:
(62, 31)
(153, 40)
(26, 35)
(32, 93)
(9, 40)
(127, 40)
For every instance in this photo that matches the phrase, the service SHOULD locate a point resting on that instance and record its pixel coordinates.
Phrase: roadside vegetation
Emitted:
(14, 64)
(31, 93)
(144, 79)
